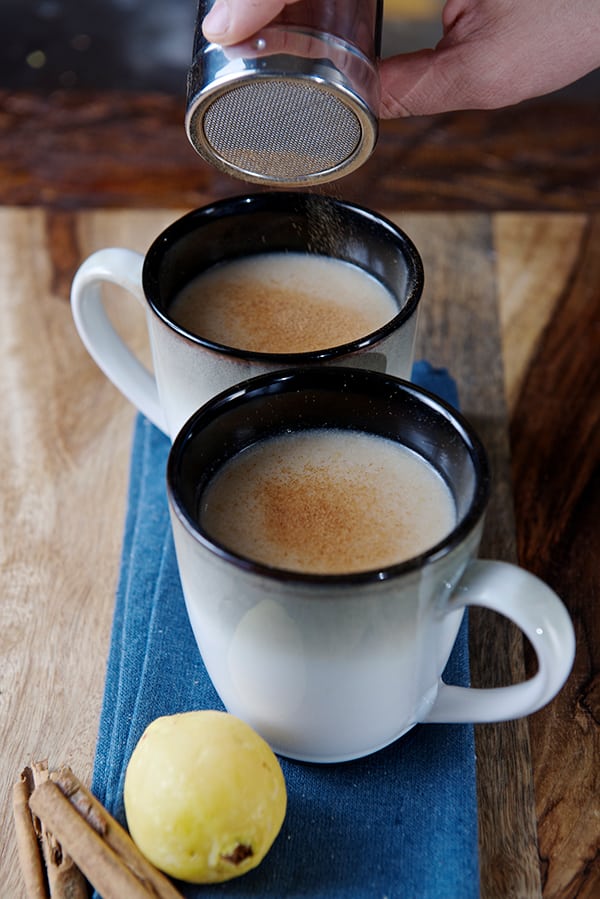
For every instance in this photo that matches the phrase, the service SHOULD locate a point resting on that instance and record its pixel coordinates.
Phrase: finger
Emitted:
(232, 21)
(470, 76)
(401, 81)
(490, 57)
(443, 80)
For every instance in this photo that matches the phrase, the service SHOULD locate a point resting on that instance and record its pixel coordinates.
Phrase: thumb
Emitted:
(232, 21)
(484, 70)
(433, 81)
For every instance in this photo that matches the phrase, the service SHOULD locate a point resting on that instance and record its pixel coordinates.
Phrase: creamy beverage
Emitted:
(328, 501)
(291, 519)
(283, 303)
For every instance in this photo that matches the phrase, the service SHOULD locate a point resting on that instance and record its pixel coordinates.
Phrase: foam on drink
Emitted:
(283, 303)
(328, 501)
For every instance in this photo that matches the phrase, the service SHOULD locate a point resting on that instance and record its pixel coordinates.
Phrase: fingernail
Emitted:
(216, 22)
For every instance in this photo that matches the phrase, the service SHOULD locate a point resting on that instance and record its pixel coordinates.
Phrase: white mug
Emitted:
(189, 369)
(332, 667)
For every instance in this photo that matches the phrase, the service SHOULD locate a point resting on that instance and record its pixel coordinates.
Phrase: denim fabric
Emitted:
(400, 823)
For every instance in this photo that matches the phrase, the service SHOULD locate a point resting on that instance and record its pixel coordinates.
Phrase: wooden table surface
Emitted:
(505, 210)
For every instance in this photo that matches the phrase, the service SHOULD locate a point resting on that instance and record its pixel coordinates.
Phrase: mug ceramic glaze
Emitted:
(332, 667)
(188, 369)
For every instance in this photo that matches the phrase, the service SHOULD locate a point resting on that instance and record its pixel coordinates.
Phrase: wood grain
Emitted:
(525, 360)
(536, 256)
(461, 330)
(74, 150)
(556, 450)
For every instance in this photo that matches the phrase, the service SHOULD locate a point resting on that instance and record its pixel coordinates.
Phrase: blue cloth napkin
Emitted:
(400, 823)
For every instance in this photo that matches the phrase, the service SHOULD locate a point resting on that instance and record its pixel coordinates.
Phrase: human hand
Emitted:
(232, 21)
(493, 53)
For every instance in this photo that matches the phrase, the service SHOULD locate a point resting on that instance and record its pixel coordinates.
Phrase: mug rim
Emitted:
(278, 201)
(267, 383)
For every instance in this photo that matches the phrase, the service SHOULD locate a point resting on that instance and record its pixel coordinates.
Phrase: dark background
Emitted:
(144, 44)
(124, 44)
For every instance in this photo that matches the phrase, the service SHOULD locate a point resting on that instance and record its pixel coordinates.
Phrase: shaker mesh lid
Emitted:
(282, 130)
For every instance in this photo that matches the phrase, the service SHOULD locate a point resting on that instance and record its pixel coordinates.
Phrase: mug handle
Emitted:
(540, 614)
(112, 355)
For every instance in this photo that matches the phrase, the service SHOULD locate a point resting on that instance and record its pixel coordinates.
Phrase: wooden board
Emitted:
(493, 284)
(124, 149)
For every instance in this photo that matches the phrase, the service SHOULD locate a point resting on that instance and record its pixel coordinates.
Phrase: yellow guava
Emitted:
(205, 796)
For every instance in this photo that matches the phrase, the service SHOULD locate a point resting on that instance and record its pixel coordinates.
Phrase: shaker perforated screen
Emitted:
(282, 130)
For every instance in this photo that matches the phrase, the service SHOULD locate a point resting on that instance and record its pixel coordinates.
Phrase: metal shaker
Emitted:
(297, 104)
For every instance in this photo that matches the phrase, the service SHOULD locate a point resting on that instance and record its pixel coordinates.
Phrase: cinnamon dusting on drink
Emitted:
(283, 303)
(328, 501)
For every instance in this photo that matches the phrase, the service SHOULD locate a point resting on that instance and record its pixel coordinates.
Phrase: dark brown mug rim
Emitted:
(278, 201)
(294, 380)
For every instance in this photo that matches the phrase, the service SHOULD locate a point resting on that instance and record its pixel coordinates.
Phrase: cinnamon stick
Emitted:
(47, 869)
(28, 847)
(98, 844)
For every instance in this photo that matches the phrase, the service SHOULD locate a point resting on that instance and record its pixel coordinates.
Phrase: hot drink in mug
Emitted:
(249, 285)
(284, 303)
(326, 524)
(328, 501)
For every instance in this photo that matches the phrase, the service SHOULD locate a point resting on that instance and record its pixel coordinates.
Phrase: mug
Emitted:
(329, 667)
(188, 368)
